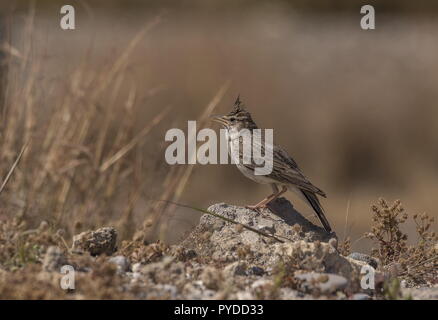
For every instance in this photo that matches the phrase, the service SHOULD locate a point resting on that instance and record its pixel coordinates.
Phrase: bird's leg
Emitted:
(283, 190)
(262, 204)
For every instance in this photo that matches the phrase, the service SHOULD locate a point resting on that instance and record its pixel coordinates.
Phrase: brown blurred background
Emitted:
(356, 109)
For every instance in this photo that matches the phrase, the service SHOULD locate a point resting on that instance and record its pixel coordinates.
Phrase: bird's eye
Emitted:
(232, 119)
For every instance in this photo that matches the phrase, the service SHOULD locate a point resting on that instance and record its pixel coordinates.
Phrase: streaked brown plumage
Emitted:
(285, 171)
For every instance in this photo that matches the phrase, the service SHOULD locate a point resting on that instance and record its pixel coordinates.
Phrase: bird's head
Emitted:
(238, 118)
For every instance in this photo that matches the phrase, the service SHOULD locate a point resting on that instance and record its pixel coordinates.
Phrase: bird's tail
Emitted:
(313, 200)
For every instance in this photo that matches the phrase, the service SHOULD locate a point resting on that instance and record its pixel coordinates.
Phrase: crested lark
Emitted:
(285, 172)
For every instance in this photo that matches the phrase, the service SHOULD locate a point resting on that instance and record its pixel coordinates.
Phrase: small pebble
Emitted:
(361, 296)
(121, 262)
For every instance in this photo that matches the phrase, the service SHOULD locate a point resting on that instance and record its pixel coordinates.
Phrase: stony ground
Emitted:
(274, 254)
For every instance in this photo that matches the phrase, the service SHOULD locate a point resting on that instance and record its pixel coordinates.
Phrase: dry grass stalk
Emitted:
(14, 166)
(85, 166)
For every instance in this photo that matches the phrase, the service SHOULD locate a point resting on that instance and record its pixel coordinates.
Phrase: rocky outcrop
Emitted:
(243, 254)
(286, 240)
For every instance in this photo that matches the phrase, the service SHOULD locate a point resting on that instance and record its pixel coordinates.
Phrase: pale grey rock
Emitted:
(318, 255)
(266, 225)
(326, 283)
(360, 296)
(136, 277)
(364, 258)
(225, 239)
(297, 239)
(121, 262)
(136, 267)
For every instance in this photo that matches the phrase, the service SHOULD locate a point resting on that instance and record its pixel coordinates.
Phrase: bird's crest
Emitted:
(238, 105)
(241, 114)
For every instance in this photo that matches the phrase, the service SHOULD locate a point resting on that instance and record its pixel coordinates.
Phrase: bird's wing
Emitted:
(285, 169)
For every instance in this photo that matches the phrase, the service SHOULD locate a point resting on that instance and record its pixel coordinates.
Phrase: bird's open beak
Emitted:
(218, 119)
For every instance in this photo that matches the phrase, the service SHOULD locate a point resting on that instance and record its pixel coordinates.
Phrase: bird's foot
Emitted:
(256, 207)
